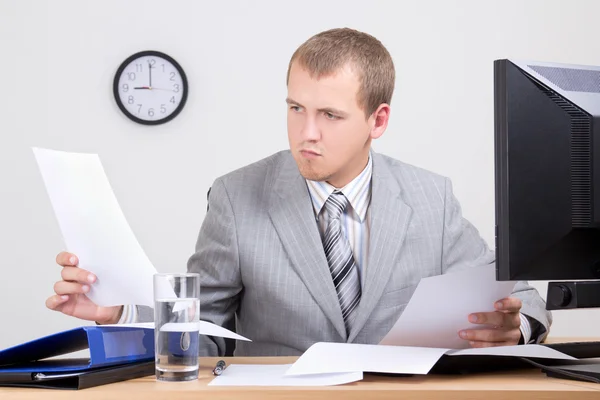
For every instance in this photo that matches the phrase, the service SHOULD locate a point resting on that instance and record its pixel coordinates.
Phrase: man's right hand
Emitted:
(70, 298)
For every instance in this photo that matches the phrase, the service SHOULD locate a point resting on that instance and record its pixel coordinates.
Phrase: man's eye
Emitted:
(295, 108)
(330, 116)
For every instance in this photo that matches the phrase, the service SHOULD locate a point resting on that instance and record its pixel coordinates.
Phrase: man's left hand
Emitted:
(503, 325)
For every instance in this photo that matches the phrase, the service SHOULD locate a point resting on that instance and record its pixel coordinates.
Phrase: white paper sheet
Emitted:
(94, 227)
(528, 351)
(274, 375)
(440, 307)
(206, 328)
(322, 358)
(203, 328)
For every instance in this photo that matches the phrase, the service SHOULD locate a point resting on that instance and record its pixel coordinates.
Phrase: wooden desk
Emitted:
(528, 384)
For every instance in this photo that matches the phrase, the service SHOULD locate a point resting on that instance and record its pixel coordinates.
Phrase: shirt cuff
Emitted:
(525, 329)
(129, 315)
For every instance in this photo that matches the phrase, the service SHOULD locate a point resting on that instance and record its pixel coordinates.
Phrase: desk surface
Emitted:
(526, 384)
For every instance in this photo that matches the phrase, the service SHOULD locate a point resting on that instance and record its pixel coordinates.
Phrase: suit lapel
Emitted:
(292, 215)
(390, 218)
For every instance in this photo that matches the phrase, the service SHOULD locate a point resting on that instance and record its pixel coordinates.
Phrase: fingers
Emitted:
(511, 336)
(74, 274)
(488, 318)
(66, 259)
(53, 302)
(497, 319)
(506, 326)
(70, 272)
(66, 288)
(75, 281)
(509, 304)
(479, 345)
(512, 320)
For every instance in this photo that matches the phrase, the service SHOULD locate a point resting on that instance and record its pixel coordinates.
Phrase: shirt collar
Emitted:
(358, 192)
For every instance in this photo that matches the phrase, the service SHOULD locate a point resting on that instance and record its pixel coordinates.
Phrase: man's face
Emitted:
(328, 133)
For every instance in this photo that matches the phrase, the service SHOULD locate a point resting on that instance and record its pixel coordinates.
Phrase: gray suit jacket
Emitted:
(263, 268)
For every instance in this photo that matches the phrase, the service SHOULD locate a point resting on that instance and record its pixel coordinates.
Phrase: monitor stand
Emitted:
(575, 294)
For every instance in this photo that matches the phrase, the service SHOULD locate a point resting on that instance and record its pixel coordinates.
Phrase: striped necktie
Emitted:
(341, 262)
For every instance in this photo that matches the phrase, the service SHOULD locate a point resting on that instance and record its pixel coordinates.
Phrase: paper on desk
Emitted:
(274, 375)
(95, 229)
(440, 307)
(527, 351)
(322, 358)
(203, 328)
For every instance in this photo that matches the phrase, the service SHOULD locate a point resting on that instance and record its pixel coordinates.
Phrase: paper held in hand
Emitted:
(440, 307)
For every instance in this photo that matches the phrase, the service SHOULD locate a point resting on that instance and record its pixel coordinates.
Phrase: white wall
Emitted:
(57, 63)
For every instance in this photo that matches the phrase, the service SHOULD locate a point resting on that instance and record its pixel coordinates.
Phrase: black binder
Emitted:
(585, 368)
(76, 380)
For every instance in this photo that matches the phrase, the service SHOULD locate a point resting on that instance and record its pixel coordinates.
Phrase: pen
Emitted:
(218, 370)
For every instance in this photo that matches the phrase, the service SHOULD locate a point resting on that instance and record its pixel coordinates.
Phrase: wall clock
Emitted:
(150, 87)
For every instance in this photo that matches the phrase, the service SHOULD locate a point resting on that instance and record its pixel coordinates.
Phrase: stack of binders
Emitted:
(115, 354)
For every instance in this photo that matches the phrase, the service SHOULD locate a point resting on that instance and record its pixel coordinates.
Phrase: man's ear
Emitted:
(207, 198)
(380, 117)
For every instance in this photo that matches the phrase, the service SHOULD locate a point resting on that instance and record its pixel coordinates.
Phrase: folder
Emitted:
(44, 374)
(115, 354)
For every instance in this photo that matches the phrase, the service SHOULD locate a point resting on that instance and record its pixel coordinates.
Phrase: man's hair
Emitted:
(327, 52)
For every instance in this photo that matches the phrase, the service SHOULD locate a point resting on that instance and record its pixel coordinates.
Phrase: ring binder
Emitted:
(116, 353)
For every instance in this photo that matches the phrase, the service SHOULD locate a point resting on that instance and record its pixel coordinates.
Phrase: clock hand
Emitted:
(151, 88)
(150, 73)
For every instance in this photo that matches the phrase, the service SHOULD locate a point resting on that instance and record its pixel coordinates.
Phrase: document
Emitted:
(94, 227)
(527, 351)
(329, 358)
(274, 375)
(203, 328)
(440, 307)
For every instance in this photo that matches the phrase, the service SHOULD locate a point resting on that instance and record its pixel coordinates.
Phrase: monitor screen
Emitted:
(547, 170)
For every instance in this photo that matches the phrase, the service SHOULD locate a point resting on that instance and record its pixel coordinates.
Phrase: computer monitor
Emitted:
(547, 177)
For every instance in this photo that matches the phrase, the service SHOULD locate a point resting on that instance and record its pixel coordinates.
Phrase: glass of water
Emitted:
(176, 317)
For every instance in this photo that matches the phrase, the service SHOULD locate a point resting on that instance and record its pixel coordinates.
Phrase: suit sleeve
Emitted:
(216, 259)
(463, 248)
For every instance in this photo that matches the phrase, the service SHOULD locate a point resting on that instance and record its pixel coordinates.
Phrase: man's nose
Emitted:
(310, 130)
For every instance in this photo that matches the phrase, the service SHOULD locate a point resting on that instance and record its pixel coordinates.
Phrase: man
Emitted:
(327, 241)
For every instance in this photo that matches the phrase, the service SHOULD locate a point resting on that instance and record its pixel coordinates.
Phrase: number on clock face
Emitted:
(150, 87)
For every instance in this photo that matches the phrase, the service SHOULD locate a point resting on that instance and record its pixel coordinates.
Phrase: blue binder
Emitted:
(108, 346)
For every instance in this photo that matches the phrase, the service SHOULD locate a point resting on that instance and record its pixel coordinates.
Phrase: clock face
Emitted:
(150, 88)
